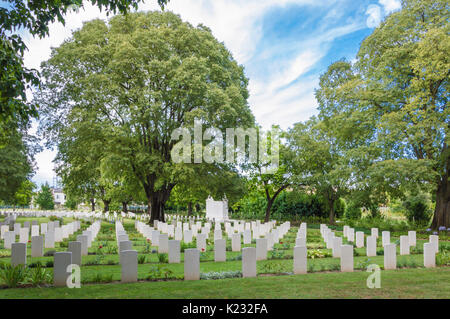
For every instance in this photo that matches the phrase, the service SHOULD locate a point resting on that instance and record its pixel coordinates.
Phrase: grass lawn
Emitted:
(404, 283)
(102, 265)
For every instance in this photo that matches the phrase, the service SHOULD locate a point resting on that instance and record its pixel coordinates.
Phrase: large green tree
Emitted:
(44, 198)
(318, 162)
(396, 97)
(33, 16)
(16, 162)
(138, 78)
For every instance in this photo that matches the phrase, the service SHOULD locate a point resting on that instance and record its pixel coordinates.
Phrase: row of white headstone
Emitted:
(334, 243)
(79, 247)
(76, 249)
(250, 255)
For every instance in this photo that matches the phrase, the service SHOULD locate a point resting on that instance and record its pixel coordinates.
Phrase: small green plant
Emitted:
(159, 272)
(63, 244)
(111, 262)
(316, 253)
(220, 275)
(99, 277)
(363, 264)
(49, 253)
(237, 257)
(276, 254)
(443, 258)
(12, 276)
(163, 258)
(142, 259)
(38, 276)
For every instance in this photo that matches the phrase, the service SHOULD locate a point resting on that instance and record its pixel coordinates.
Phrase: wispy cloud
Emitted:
(284, 45)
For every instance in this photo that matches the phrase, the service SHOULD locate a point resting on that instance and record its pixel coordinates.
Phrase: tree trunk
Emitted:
(331, 203)
(190, 209)
(93, 204)
(268, 209)
(106, 205)
(197, 208)
(125, 207)
(442, 210)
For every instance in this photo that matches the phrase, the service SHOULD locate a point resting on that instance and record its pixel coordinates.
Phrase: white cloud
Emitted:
(390, 5)
(374, 13)
(280, 93)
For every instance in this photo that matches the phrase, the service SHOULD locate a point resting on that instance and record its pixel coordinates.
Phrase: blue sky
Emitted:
(284, 45)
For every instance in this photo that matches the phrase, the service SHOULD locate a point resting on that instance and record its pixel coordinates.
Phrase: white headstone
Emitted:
(359, 239)
(236, 242)
(261, 249)
(371, 248)
(390, 256)
(75, 248)
(220, 250)
(249, 262)
(404, 245)
(192, 264)
(18, 254)
(300, 260)
(60, 273)
(429, 255)
(174, 252)
(163, 247)
(346, 258)
(129, 266)
(37, 246)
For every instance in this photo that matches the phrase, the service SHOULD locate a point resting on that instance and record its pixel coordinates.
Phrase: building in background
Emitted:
(58, 197)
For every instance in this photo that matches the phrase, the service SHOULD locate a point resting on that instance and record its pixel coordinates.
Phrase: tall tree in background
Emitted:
(318, 163)
(138, 79)
(23, 195)
(16, 162)
(45, 198)
(396, 97)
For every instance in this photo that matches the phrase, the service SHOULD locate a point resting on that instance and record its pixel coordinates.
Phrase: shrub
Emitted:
(340, 208)
(220, 275)
(142, 259)
(353, 212)
(39, 275)
(49, 264)
(418, 208)
(163, 258)
(99, 277)
(443, 258)
(49, 253)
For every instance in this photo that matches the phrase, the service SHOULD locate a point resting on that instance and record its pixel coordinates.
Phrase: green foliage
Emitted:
(353, 211)
(45, 198)
(38, 276)
(16, 158)
(142, 259)
(160, 272)
(220, 275)
(12, 276)
(163, 258)
(99, 147)
(418, 208)
(443, 258)
(18, 17)
(316, 253)
(100, 277)
(288, 205)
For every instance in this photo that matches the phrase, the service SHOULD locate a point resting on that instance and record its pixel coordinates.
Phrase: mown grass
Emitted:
(410, 283)
(105, 265)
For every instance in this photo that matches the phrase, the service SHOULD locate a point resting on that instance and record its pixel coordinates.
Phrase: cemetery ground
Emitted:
(101, 272)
